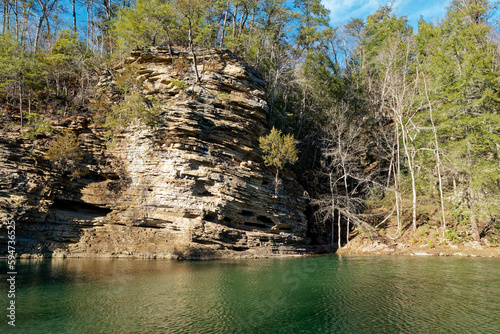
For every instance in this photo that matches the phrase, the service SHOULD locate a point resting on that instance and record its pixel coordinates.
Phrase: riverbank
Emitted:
(467, 249)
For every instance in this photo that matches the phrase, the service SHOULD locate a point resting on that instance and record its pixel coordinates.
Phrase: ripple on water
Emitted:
(310, 295)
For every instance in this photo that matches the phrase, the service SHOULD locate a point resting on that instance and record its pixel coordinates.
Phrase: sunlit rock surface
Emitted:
(192, 186)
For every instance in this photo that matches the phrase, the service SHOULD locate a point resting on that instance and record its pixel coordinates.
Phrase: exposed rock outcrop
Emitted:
(192, 186)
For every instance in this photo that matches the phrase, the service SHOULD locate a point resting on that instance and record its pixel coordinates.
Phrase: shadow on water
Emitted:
(322, 294)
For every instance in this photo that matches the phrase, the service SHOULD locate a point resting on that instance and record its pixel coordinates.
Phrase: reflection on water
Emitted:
(327, 294)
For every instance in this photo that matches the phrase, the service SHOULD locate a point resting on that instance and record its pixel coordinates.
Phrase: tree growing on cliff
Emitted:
(279, 149)
(192, 13)
(65, 154)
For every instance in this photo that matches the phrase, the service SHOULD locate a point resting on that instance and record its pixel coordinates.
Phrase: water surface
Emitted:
(329, 294)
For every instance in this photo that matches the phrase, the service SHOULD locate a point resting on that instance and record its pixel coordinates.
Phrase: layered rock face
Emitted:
(193, 185)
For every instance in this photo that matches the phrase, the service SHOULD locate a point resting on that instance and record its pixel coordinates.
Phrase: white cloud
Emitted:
(430, 10)
(343, 10)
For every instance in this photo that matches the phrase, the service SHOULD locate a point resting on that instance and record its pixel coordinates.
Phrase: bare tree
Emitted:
(402, 97)
(46, 7)
(437, 153)
(341, 166)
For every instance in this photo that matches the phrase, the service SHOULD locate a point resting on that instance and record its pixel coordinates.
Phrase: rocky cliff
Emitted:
(192, 185)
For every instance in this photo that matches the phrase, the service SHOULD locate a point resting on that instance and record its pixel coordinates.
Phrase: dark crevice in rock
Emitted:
(265, 220)
(237, 248)
(211, 217)
(190, 215)
(257, 225)
(80, 208)
(151, 222)
(205, 242)
(206, 193)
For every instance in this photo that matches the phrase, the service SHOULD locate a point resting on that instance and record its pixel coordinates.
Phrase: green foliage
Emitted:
(149, 20)
(65, 154)
(452, 235)
(459, 59)
(224, 97)
(19, 70)
(313, 30)
(192, 18)
(127, 82)
(134, 108)
(67, 47)
(179, 83)
(8, 49)
(37, 126)
(278, 149)
(381, 29)
(423, 232)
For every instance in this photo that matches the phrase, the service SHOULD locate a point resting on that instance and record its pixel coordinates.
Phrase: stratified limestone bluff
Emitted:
(192, 186)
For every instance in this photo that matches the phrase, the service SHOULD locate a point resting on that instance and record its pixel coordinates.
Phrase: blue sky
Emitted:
(342, 10)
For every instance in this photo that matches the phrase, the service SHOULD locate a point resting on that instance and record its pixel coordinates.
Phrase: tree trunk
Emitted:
(411, 168)
(243, 20)
(17, 19)
(107, 10)
(46, 8)
(4, 21)
(348, 229)
(333, 228)
(224, 26)
(332, 207)
(397, 176)
(6, 16)
(473, 218)
(37, 34)
(414, 196)
(339, 231)
(21, 103)
(234, 20)
(195, 63)
(472, 198)
(24, 28)
(276, 183)
(73, 7)
(91, 24)
(438, 159)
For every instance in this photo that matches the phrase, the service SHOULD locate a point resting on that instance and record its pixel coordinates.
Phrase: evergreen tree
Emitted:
(462, 64)
(278, 150)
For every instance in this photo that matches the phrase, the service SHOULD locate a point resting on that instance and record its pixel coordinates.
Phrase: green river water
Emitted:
(327, 294)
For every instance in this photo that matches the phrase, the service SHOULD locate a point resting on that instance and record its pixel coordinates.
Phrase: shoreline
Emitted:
(470, 249)
(170, 257)
(352, 248)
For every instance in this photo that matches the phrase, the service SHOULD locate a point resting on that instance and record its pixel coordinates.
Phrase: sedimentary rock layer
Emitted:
(192, 185)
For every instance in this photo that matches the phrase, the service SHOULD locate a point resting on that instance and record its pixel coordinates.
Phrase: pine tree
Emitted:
(278, 150)
(461, 62)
